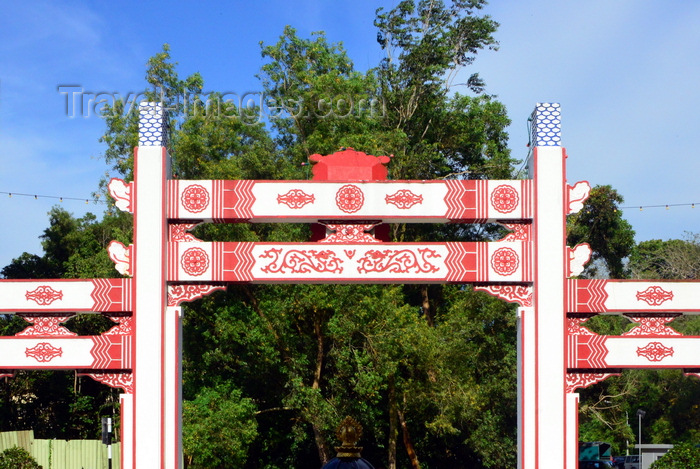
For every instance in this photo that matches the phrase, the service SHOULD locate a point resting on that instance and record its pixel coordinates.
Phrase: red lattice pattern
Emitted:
(195, 198)
(349, 198)
(349, 234)
(505, 198)
(505, 261)
(195, 261)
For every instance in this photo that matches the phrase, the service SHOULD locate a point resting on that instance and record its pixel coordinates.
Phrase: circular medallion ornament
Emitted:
(505, 261)
(195, 261)
(504, 198)
(349, 198)
(195, 198)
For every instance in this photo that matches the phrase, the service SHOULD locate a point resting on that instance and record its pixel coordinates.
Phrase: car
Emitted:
(600, 464)
(632, 462)
(619, 462)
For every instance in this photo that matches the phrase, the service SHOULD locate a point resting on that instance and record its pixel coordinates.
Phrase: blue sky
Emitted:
(626, 73)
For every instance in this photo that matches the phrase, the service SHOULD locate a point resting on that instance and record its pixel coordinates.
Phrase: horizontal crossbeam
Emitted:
(632, 296)
(466, 201)
(497, 262)
(100, 295)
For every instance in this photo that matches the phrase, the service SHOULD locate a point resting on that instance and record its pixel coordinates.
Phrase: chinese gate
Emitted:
(348, 199)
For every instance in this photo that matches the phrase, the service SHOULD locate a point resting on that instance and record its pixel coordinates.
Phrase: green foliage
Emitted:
(682, 456)
(600, 224)
(219, 427)
(17, 458)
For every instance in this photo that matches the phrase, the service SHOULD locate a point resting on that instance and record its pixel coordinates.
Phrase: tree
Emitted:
(600, 224)
(226, 414)
(683, 456)
(17, 458)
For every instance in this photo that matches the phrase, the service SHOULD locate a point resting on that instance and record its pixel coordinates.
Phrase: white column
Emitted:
(173, 386)
(572, 430)
(127, 431)
(547, 168)
(151, 169)
(526, 388)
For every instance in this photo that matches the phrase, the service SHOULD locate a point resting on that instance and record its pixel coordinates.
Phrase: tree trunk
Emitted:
(393, 427)
(324, 453)
(410, 449)
(426, 305)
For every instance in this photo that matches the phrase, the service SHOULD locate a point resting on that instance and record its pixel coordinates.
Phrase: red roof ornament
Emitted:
(349, 165)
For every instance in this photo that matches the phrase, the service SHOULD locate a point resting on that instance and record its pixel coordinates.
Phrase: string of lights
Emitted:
(666, 206)
(96, 200)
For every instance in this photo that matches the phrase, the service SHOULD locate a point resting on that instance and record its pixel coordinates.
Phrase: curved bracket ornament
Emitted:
(180, 232)
(121, 256)
(519, 294)
(121, 193)
(518, 231)
(578, 258)
(577, 195)
(178, 294)
(124, 381)
(583, 380)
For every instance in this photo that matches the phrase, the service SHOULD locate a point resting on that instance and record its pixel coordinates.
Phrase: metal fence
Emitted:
(62, 454)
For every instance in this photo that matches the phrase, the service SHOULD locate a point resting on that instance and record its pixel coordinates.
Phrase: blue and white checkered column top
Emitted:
(152, 125)
(545, 125)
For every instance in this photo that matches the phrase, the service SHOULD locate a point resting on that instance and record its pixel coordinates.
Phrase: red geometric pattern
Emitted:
(655, 325)
(44, 295)
(296, 198)
(505, 261)
(112, 294)
(404, 199)
(400, 261)
(111, 352)
(655, 295)
(43, 352)
(195, 261)
(586, 296)
(178, 294)
(586, 351)
(583, 380)
(504, 198)
(195, 198)
(574, 326)
(349, 198)
(511, 293)
(45, 325)
(124, 381)
(655, 351)
(301, 261)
